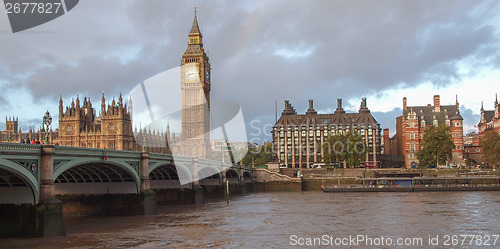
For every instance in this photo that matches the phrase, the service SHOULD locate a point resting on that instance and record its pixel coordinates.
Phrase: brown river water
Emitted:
(297, 220)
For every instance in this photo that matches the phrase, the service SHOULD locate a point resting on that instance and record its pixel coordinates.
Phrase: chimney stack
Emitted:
(311, 104)
(437, 105)
(405, 106)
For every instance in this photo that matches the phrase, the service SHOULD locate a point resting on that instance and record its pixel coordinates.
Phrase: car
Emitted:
(443, 166)
(318, 165)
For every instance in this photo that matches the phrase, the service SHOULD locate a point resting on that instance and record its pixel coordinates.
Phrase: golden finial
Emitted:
(195, 8)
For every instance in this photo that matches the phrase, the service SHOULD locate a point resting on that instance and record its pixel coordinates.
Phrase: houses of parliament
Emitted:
(80, 126)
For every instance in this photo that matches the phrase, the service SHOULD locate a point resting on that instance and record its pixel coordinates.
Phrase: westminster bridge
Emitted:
(36, 174)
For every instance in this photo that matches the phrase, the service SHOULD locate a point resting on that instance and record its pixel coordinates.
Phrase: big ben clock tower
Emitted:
(195, 92)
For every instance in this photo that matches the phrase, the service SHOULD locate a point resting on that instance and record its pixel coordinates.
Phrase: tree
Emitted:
(490, 145)
(349, 148)
(437, 146)
(257, 158)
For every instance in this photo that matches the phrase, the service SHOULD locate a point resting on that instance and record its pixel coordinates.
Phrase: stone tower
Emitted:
(195, 91)
(11, 125)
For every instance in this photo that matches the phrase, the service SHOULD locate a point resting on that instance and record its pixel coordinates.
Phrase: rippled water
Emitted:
(267, 220)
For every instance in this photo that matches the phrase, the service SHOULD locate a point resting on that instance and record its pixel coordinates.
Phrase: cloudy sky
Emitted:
(262, 52)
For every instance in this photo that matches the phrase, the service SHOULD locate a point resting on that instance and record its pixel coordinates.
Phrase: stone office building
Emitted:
(298, 138)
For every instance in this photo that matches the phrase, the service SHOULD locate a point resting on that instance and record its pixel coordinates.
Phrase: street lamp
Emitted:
(47, 120)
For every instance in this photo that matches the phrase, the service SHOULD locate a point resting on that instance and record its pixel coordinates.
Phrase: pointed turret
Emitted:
(483, 118)
(497, 107)
(120, 100)
(103, 105)
(61, 108)
(195, 29)
(195, 43)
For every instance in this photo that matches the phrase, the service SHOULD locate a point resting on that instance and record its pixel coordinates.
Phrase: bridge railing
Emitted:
(67, 150)
(18, 148)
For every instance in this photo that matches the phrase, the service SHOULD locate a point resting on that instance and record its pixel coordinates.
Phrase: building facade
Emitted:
(490, 119)
(416, 119)
(13, 133)
(80, 126)
(472, 148)
(298, 138)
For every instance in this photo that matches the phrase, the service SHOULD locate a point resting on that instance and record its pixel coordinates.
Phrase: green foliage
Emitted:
(469, 162)
(437, 146)
(490, 145)
(257, 158)
(349, 148)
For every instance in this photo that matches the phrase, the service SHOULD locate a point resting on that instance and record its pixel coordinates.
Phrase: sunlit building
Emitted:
(298, 138)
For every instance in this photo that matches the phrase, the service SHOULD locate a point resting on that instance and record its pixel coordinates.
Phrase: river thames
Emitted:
(297, 220)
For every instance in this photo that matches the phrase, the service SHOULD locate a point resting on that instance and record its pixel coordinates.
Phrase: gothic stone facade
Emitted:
(80, 126)
(298, 138)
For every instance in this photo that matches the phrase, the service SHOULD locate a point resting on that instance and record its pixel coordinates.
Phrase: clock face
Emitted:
(191, 73)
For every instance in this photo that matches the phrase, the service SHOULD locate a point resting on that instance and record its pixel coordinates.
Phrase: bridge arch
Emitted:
(99, 176)
(247, 176)
(168, 175)
(209, 175)
(232, 176)
(13, 174)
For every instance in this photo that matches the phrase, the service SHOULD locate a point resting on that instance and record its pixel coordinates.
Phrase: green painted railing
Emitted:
(18, 148)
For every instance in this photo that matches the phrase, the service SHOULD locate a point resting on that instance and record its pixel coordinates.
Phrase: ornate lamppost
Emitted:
(47, 120)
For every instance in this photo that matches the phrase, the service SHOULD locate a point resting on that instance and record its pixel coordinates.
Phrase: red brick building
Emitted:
(472, 149)
(416, 119)
(490, 120)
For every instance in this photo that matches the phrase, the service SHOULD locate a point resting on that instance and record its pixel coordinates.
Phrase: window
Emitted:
(435, 123)
(412, 136)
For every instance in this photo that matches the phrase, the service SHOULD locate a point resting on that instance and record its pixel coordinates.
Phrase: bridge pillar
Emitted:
(144, 171)
(49, 215)
(199, 197)
(194, 173)
(223, 177)
(148, 195)
(46, 172)
(242, 180)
